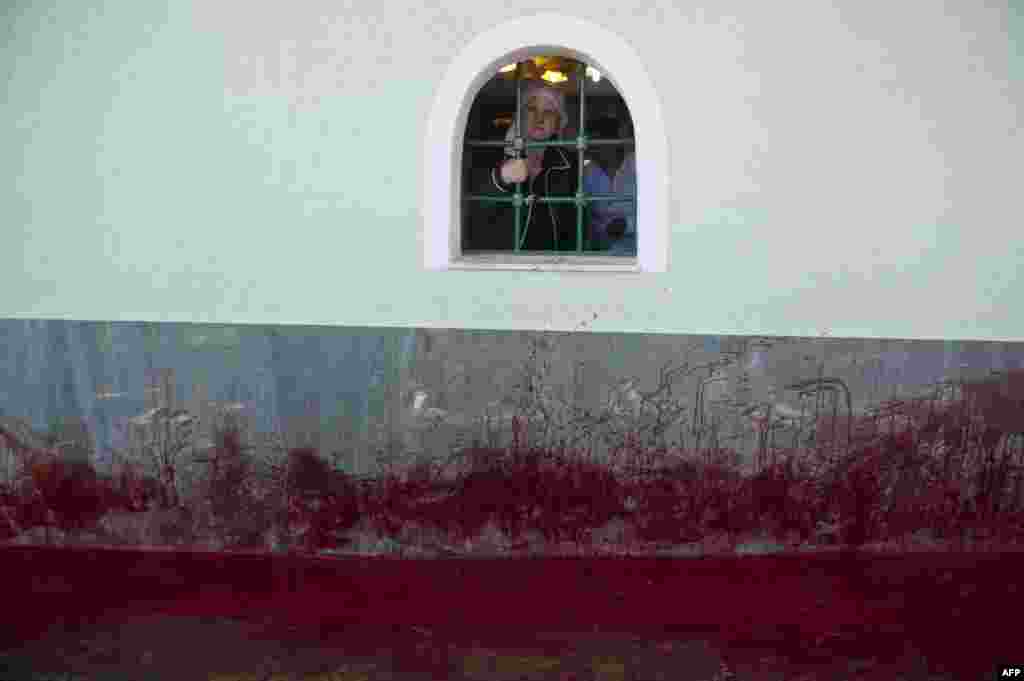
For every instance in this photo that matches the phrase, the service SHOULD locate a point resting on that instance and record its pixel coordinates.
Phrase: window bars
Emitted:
(581, 143)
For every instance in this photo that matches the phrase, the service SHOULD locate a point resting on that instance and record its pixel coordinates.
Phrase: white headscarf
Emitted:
(553, 96)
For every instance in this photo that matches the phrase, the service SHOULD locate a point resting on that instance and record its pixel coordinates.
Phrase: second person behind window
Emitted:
(611, 170)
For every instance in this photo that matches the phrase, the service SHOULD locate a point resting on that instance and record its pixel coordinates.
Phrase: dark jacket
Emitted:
(491, 226)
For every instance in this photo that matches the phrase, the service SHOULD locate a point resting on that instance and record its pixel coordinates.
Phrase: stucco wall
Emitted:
(363, 397)
(841, 166)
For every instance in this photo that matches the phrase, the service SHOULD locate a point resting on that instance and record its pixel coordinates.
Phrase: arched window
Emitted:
(607, 116)
(577, 193)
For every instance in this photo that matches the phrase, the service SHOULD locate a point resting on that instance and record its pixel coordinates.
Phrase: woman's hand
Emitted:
(513, 171)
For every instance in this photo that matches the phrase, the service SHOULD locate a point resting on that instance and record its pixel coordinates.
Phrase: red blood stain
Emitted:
(847, 602)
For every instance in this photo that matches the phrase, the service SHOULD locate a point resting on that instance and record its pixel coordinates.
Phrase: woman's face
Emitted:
(542, 118)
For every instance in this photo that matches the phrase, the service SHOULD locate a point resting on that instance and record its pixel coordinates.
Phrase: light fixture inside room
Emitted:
(554, 77)
(555, 73)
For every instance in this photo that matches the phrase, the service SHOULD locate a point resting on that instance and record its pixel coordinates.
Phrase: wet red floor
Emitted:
(959, 612)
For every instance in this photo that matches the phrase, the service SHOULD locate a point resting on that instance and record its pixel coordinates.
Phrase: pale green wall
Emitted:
(851, 168)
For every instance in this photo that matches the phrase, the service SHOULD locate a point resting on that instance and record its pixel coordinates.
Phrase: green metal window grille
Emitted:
(582, 142)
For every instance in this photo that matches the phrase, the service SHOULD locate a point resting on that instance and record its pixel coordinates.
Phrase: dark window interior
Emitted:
(489, 118)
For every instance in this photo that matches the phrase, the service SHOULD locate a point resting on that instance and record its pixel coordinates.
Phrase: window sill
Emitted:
(545, 263)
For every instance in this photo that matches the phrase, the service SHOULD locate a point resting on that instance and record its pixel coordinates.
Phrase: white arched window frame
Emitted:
(515, 41)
